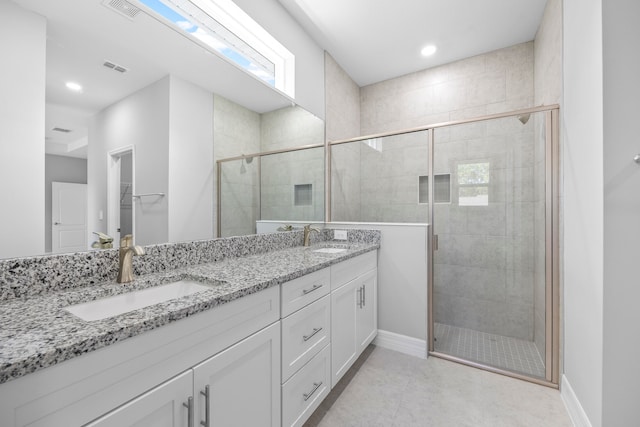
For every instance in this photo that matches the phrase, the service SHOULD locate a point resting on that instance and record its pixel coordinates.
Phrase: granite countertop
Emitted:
(37, 332)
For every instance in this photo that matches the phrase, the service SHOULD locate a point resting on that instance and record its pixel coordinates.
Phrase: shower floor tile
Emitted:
(495, 350)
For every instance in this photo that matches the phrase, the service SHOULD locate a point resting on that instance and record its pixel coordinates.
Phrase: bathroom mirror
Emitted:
(115, 58)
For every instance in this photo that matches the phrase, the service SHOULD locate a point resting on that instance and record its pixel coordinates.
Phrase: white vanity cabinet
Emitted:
(134, 380)
(166, 405)
(354, 311)
(306, 355)
(217, 392)
(241, 386)
(266, 359)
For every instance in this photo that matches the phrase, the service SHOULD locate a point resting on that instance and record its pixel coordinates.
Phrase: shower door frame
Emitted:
(552, 231)
(552, 234)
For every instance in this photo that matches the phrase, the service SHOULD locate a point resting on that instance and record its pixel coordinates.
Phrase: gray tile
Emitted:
(433, 393)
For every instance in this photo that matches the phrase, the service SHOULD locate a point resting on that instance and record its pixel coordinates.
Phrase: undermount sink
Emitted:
(119, 304)
(330, 250)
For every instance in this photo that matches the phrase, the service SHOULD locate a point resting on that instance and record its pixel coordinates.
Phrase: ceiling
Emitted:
(83, 34)
(375, 40)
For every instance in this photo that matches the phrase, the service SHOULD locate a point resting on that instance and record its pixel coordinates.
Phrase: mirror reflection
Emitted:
(269, 192)
(141, 135)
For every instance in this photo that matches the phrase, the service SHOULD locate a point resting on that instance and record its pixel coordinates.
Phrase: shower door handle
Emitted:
(435, 242)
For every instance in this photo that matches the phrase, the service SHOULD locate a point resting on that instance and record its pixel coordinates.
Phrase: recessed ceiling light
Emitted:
(74, 86)
(428, 50)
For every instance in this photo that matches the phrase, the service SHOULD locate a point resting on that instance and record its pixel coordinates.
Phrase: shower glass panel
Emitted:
(239, 196)
(283, 187)
(292, 186)
(489, 268)
(381, 179)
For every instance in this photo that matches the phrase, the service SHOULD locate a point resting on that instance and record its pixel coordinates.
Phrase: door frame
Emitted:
(552, 253)
(114, 160)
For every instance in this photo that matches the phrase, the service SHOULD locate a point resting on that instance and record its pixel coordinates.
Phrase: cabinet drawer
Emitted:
(304, 334)
(304, 290)
(348, 270)
(304, 392)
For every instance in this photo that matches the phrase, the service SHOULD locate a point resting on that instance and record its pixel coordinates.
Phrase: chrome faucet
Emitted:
(307, 233)
(126, 253)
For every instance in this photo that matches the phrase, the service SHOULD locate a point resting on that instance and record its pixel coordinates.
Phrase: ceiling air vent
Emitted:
(63, 130)
(115, 67)
(122, 7)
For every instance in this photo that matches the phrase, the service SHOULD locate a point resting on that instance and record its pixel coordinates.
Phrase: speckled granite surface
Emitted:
(36, 331)
(31, 276)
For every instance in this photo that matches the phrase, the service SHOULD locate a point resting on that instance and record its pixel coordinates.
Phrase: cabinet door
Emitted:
(367, 313)
(162, 406)
(344, 349)
(243, 383)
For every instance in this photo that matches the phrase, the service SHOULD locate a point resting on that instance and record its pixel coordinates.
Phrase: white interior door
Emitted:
(69, 217)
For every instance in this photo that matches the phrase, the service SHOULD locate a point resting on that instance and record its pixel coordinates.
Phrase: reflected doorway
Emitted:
(121, 215)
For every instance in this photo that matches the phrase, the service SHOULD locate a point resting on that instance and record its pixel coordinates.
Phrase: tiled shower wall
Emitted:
(377, 180)
(280, 174)
(483, 269)
(236, 130)
(494, 82)
(489, 249)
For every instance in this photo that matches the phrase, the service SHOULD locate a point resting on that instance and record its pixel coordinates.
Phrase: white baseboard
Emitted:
(574, 408)
(401, 343)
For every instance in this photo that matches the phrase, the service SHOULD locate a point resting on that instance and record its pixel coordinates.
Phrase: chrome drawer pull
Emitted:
(207, 408)
(308, 337)
(189, 406)
(315, 387)
(360, 297)
(314, 288)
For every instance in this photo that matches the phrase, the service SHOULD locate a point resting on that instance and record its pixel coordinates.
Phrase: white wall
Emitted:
(22, 84)
(141, 120)
(621, 346)
(191, 190)
(582, 128)
(309, 56)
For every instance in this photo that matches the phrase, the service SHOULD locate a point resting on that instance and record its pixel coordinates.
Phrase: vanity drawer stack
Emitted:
(306, 349)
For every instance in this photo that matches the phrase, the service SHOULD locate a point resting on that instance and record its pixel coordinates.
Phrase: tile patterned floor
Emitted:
(495, 350)
(391, 389)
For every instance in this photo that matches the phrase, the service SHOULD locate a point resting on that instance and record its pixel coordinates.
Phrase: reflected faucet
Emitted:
(307, 233)
(126, 253)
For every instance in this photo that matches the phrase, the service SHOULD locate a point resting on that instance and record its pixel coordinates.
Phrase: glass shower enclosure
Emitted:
(487, 186)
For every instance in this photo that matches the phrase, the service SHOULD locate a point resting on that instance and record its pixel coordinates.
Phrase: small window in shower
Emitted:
(473, 184)
(303, 194)
(441, 189)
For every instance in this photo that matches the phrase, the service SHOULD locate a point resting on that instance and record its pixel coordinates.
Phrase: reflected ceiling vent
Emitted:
(63, 130)
(122, 7)
(115, 67)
